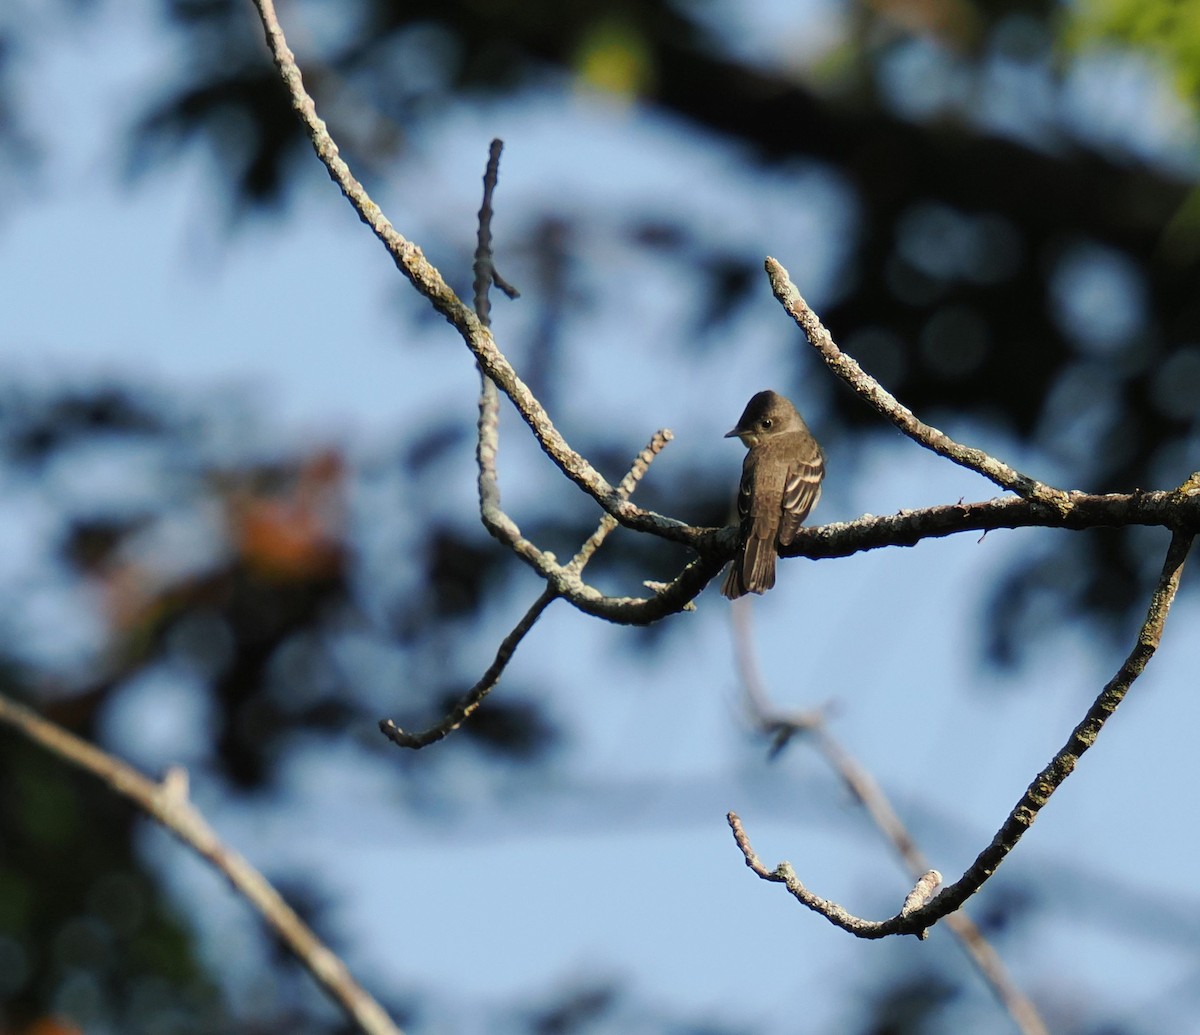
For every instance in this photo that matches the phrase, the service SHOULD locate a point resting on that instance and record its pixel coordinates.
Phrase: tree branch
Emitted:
(890, 407)
(411, 261)
(561, 582)
(1177, 510)
(811, 726)
(475, 696)
(918, 921)
(1082, 737)
(1042, 505)
(835, 914)
(168, 803)
(494, 518)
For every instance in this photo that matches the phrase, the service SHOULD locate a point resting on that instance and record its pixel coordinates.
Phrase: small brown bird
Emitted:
(781, 483)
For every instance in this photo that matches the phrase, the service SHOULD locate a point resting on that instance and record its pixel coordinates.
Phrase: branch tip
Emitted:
(922, 892)
(886, 404)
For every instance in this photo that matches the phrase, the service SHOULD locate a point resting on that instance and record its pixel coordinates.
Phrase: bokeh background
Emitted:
(239, 525)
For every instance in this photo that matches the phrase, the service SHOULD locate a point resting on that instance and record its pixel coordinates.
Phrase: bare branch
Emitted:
(168, 803)
(891, 408)
(411, 261)
(489, 489)
(1032, 801)
(835, 914)
(716, 546)
(485, 262)
(810, 725)
(1177, 509)
(488, 442)
(564, 582)
(1082, 737)
(475, 696)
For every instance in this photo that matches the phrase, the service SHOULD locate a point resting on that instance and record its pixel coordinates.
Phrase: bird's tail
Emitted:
(753, 571)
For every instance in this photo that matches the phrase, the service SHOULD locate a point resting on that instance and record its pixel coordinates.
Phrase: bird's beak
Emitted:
(735, 433)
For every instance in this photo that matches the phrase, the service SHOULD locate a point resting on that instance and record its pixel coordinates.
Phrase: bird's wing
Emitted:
(801, 490)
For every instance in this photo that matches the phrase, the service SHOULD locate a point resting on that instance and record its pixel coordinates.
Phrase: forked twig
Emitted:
(835, 914)
(475, 696)
(561, 580)
(1082, 737)
(489, 489)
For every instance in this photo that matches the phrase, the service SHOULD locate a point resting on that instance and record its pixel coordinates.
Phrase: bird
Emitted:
(781, 483)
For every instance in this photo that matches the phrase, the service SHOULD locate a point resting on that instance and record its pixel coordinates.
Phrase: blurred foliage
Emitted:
(18, 149)
(85, 932)
(909, 1007)
(1167, 30)
(219, 560)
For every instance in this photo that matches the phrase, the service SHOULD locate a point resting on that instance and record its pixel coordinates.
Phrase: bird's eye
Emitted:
(765, 423)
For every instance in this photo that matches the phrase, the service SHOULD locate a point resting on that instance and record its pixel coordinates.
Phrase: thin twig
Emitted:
(1084, 735)
(488, 440)
(561, 580)
(168, 803)
(835, 914)
(810, 726)
(891, 408)
(485, 260)
(475, 696)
